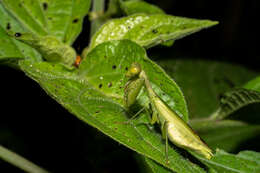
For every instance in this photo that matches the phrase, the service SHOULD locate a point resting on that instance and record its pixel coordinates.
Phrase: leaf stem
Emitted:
(19, 161)
(97, 10)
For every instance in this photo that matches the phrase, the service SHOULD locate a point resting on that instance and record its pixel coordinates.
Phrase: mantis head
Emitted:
(134, 70)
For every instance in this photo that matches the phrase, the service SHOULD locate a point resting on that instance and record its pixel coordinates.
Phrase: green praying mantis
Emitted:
(172, 126)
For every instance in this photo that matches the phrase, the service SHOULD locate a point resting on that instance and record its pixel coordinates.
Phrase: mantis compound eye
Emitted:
(134, 70)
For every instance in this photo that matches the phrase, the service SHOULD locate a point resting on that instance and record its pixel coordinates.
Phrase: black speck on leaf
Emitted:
(97, 112)
(45, 6)
(17, 34)
(100, 86)
(154, 31)
(8, 26)
(75, 20)
(114, 67)
(126, 68)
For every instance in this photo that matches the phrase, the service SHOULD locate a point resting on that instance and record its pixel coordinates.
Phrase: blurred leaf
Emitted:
(203, 85)
(148, 30)
(253, 84)
(225, 134)
(244, 162)
(137, 6)
(19, 161)
(94, 94)
(250, 155)
(234, 100)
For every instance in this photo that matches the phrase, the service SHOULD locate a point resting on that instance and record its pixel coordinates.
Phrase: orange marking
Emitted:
(77, 61)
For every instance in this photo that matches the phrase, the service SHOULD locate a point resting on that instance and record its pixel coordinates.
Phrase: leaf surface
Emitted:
(155, 167)
(253, 84)
(65, 18)
(9, 47)
(28, 13)
(148, 30)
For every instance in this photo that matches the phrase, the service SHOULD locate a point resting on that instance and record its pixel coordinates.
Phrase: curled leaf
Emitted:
(50, 47)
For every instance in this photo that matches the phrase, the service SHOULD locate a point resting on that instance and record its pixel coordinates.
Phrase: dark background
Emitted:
(35, 126)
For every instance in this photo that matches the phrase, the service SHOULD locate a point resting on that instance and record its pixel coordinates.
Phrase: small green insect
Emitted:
(172, 126)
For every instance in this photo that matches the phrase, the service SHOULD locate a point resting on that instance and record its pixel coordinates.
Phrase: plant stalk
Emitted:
(19, 161)
(98, 7)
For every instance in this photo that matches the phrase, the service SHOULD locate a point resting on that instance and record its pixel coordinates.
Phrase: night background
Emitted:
(37, 127)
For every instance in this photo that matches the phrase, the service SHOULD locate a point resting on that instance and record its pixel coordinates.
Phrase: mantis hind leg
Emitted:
(154, 117)
(165, 136)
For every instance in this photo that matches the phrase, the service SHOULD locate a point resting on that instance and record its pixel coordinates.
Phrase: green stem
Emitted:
(97, 9)
(19, 161)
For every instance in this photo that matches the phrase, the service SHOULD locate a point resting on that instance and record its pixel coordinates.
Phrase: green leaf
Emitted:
(101, 107)
(225, 134)
(253, 84)
(147, 165)
(148, 30)
(250, 155)
(79, 10)
(233, 100)
(103, 72)
(28, 13)
(137, 6)
(9, 47)
(203, 84)
(62, 19)
(155, 167)
(244, 162)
